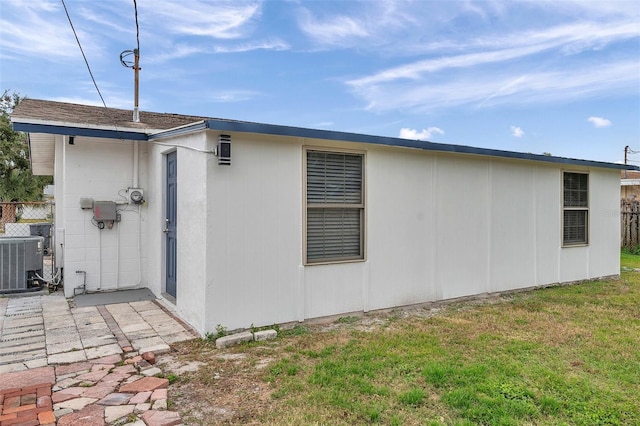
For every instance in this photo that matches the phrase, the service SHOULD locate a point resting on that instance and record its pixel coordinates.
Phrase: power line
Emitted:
(135, 8)
(83, 55)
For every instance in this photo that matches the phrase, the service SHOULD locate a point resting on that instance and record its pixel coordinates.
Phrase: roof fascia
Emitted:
(179, 131)
(301, 132)
(78, 131)
(270, 129)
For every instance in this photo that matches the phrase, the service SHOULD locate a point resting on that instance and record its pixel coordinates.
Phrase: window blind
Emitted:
(335, 206)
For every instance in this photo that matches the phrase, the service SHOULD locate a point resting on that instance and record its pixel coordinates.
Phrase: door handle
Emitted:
(166, 226)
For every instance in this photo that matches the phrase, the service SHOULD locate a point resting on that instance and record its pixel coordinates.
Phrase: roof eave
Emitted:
(248, 127)
(79, 131)
(279, 130)
(179, 131)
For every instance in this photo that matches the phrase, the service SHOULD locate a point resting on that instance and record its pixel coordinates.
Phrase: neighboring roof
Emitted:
(630, 174)
(39, 116)
(630, 178)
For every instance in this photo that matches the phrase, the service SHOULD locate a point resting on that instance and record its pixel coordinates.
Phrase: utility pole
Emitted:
(626, 151)
(136, 69)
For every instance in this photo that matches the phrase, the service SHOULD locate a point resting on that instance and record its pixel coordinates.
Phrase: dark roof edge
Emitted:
(279, 130)
(271, 129)
(78, 131)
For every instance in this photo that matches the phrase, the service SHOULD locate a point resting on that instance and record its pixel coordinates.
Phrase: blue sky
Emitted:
(530, 76)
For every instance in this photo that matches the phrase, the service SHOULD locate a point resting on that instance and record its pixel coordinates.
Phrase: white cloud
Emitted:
(274, 44)
(332, 31)
(34, 34)
(517, 131)
(599, 121)
(570, 38)
(174, 52)
(365, 25)
(324, 124)
(233, 96)
(219, 19)
(501, 87)
(425, 134)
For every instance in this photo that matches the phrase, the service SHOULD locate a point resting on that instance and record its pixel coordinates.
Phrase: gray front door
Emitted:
(171, 224)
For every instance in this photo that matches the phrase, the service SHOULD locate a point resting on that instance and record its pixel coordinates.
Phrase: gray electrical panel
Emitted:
(104, 211)
(86, 203)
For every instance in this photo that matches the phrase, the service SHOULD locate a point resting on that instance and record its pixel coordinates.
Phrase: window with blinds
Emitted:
(334, 206)
(575, 221)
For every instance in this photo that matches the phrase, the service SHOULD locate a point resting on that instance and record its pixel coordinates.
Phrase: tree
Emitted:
(16, 181)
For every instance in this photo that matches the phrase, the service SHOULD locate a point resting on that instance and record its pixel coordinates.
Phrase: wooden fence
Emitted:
(630, 223)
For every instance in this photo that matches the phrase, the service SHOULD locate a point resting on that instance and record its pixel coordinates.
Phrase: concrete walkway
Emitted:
(60, 364)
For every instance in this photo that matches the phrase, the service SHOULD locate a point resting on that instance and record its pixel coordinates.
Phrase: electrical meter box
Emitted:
(104, 211)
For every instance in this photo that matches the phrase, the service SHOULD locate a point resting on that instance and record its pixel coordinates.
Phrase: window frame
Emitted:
(564, 209)
(361, 207)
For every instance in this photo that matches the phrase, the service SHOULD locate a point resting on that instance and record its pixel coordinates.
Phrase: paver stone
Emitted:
(145, 384)
(46, 417)
(99, 391)
(111, 414)
(66, 394)
(93, 415)
(67, 357)
(151, 371)
(102, 351)
(141, 397)
(160, 404)
(159, 394)
(161, 418)
(115, 399)
(22, 379)
(94, 376)
(75, 404)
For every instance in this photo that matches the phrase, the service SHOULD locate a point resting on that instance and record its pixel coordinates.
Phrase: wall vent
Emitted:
(224, 150)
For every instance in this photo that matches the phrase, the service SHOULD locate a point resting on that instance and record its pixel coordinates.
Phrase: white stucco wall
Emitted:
(192, 223)
(101, 169)
(438, 226)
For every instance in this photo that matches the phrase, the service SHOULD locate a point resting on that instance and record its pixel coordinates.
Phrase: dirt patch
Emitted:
(227, 388)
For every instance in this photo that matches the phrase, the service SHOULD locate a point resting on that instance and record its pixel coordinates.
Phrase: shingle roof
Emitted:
(62, 112)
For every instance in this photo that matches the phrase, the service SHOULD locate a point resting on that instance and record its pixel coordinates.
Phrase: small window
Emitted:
(334, 206)
(575, 209)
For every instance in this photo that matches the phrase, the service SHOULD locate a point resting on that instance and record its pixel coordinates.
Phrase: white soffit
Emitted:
(42, 149)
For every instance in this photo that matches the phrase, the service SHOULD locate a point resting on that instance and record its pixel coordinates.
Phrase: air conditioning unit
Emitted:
(20, 264)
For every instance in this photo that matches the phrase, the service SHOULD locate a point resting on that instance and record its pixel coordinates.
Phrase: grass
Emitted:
(557, 356)
(628, 259)
(564, 355)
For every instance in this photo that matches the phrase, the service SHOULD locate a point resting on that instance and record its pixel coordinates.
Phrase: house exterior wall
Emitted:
(192, 223)
(101, 169)
(254, 212)
(438, 226)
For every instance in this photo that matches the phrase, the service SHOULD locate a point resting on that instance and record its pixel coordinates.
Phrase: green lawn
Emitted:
(629, 260)
(557, 356)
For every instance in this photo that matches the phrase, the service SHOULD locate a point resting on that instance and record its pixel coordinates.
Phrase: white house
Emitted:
(240, 223)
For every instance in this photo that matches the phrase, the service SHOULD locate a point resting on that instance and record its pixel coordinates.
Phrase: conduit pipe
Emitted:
(136, 166)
